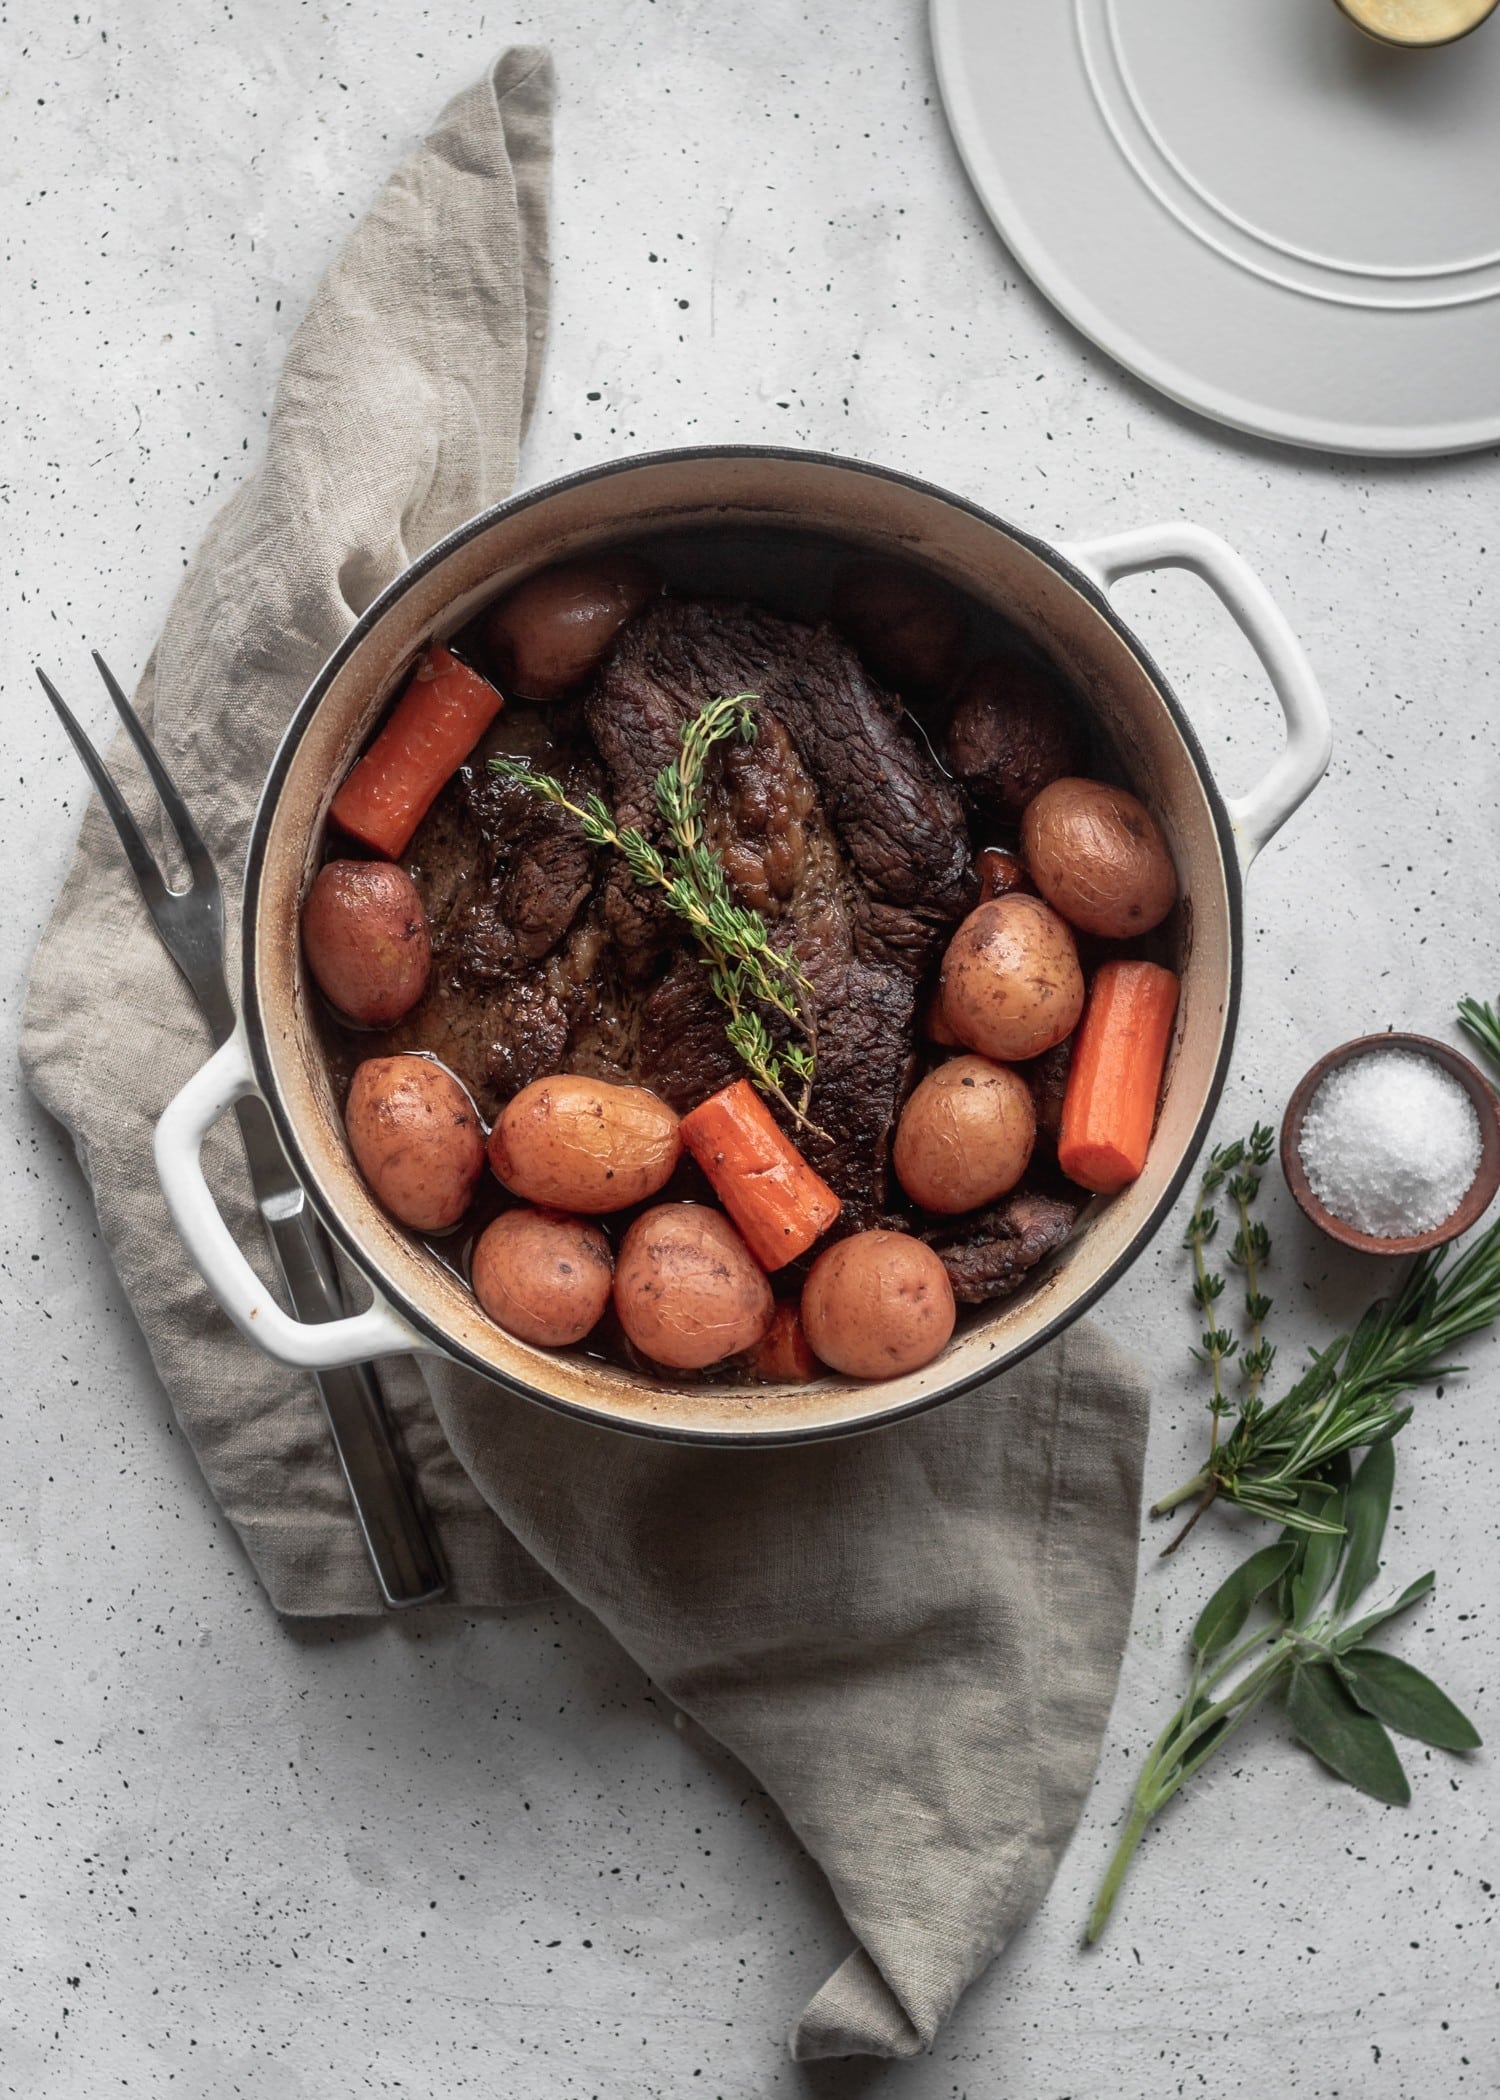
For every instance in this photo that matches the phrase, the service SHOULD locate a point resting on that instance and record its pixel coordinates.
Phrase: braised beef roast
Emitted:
(837, 824)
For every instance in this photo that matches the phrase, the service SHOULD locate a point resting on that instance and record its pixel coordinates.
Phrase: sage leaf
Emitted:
(1228, 1608)
(1350, 1636)
(1367, 1508)
(1405, 1700)
(1342, 1736)
(1319, 1560)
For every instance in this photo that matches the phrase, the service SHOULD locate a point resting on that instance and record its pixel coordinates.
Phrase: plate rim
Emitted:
(1072, 301)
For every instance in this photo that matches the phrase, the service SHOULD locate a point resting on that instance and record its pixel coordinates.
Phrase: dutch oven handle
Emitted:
(1260, 814)
(322, 1345)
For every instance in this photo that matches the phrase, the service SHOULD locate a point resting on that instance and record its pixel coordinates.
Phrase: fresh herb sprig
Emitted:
(1241, 1165)
(1342, 1695)
(1479, 1019)
(1350, 1394)
(748, 973)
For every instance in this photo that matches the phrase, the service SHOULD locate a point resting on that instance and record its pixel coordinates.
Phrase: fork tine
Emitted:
(199, 859)
(137, 852)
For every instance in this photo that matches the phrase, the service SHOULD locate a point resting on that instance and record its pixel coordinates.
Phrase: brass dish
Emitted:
(1417, 25)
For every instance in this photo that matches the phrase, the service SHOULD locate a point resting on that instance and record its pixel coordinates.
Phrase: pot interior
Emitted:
(769, 526)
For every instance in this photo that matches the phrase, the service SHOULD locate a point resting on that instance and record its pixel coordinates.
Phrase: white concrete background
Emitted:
(475, 1855)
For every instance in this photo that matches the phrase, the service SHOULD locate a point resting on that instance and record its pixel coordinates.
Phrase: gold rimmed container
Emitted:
(1417, 25)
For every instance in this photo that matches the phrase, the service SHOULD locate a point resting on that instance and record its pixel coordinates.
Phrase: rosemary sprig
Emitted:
(1341, 1694)
(747, 972)
(1482, 1022)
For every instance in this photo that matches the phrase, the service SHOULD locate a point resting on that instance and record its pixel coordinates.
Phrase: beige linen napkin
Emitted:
(912, 1637)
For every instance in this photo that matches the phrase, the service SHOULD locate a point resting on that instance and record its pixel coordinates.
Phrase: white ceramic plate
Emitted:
(1251, 205)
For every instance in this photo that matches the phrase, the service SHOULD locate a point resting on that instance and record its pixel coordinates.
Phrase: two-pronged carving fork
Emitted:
(402, 1551)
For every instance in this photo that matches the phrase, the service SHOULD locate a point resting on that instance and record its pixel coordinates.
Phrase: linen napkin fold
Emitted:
(910, 1637)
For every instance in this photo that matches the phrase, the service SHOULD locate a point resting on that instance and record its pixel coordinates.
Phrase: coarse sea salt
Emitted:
(1390, 1143)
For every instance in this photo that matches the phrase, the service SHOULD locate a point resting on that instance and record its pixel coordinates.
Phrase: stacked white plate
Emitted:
(1250, 204)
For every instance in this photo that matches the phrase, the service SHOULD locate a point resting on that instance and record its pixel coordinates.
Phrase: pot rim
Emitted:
(437, 1337)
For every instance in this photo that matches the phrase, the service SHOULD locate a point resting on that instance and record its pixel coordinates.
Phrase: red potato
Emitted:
(584, 1144)
(878, 1305)
(1097, 856)
(366, 939)
(551, 631)
(965, 1136)
(783, 1355)
(687, 1289)
(416, 1139)
(1011, 983)
(907, 627)
(543, 1277)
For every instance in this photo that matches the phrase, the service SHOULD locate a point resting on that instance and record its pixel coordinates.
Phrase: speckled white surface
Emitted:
(476, 1855)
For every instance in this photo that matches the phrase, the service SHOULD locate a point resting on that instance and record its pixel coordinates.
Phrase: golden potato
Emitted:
(687, 1289)
(1096, 855)
(416, 1139)
(965, 1136)
(551, 631)
(583, 1144)
(543, 1277)
(877, 1305)
(365, 936)
(1011, 985)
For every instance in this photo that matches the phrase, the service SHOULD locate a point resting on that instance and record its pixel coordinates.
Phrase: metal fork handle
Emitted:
(399, 1542)
(397, 1539)
(402, 1550)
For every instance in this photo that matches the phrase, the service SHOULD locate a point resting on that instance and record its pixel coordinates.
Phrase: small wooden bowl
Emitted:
(1481, 1190)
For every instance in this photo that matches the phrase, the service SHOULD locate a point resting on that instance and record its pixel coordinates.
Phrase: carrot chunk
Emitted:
(783, 1355)
(433, 727)
(1000, 872)
(780, 1205)
(1109, 1109)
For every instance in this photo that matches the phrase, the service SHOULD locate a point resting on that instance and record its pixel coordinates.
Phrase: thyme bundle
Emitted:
(748, 973)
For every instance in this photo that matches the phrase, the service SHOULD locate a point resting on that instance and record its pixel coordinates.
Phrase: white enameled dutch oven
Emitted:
(711, 499)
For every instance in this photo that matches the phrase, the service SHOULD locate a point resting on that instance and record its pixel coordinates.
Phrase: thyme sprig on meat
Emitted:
(748, 973)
